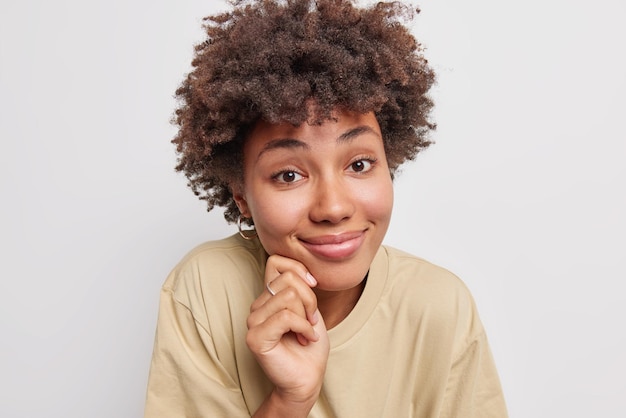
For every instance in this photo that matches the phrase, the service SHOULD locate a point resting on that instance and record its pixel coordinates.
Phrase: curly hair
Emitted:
(266, 59)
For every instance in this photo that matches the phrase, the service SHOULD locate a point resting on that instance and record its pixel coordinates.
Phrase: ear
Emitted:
(241, 201)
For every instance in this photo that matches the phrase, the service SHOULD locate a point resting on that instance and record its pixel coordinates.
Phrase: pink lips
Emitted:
(334, 246)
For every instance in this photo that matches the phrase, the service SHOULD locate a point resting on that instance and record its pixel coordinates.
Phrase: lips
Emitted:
(334, 247)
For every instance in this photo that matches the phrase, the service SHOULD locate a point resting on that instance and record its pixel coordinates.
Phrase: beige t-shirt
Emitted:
(413, 346)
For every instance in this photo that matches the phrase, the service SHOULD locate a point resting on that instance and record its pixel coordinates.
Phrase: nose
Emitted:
(332, 201)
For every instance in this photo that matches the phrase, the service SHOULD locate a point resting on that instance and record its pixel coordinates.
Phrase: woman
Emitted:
(294, 118)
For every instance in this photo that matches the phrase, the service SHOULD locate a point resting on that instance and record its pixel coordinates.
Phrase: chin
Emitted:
(335, 279)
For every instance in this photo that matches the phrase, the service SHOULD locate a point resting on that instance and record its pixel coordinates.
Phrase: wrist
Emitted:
(288, 397)
(284, 404)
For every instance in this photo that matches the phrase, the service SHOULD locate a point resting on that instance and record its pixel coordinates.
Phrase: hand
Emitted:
(287, 334)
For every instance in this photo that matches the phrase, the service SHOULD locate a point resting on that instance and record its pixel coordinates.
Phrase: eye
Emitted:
(362, 165)
(288, 176)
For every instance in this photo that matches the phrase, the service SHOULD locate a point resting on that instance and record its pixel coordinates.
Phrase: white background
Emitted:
(522, 196)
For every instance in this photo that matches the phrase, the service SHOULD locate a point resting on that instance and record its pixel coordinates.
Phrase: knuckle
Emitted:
(273, 258)
(290, 294)
(251, 341)
(283, 316)
(310, 299)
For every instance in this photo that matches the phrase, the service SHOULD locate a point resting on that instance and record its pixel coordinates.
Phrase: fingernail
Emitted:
(302, 339)
(310, 279)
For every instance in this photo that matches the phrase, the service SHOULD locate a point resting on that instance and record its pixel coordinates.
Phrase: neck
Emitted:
(335, 306)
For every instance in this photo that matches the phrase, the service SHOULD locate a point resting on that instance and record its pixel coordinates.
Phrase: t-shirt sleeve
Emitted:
(473, 389)
(186, 376)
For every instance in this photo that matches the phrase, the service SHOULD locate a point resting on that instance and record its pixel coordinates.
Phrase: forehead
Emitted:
(344, 127)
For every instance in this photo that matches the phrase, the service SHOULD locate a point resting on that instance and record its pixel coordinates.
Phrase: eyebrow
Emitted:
(355, 132)
(291, 143)
(284, 143)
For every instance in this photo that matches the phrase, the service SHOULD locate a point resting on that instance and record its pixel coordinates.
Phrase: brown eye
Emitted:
(360, 166)
(288, 176)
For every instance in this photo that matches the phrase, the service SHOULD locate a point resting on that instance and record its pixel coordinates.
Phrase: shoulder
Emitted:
(217, 266)
(426, 289)
(232, 248)
(408, 269)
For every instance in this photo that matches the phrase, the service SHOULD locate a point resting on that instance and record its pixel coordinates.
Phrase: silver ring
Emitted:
(269, 289)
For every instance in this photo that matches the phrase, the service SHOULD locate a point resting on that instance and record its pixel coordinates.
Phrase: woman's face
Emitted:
(319, 194)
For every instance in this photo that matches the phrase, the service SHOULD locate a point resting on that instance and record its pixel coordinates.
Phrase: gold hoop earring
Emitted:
(248, 233)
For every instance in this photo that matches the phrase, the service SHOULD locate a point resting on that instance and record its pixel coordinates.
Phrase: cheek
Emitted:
(378, 200)
(276, 215)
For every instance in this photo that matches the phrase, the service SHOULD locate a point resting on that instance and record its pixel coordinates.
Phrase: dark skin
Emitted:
(345, 301)
(288, 336)
(321, 199)
(297, 66)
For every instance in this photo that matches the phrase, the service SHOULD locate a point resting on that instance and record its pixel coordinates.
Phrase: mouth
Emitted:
(334, 247)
